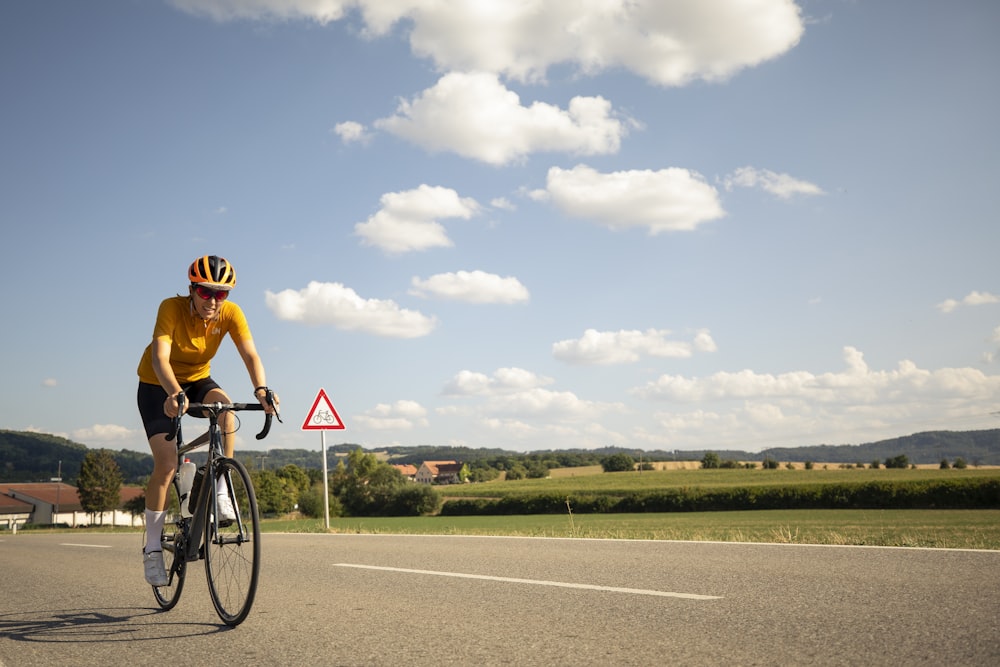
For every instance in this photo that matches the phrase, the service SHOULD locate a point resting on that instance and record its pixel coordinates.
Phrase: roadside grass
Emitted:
(944, 529)
(952, 529)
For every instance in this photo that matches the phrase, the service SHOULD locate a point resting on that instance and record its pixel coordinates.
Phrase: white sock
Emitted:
(154, 527)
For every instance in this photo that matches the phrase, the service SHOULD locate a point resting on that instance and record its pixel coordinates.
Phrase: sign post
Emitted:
(323, 417)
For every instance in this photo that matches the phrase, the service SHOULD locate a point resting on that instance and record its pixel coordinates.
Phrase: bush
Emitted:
(412, 500)
(311, 502)
(901, 462)
(618, 463)
(925, 494)
(710, 460)
(960, 463)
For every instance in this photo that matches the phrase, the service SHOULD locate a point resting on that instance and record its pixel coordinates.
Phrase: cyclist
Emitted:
(175, 369)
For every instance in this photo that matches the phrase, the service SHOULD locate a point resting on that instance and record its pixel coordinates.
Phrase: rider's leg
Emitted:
(164, 465)
(226, 420)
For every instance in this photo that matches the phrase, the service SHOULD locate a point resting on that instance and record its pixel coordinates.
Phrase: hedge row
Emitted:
(924, 494)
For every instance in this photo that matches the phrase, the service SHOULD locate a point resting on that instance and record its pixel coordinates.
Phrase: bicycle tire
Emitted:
(232, 552)
(172, 541)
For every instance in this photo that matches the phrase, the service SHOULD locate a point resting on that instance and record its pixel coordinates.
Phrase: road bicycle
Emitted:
(230, 546)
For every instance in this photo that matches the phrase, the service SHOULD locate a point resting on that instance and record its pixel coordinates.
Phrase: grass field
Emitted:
(955, 529)
(592, 480)
(951, 529)
(960, 529)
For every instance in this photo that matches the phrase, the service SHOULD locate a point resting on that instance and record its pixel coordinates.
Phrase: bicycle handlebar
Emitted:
(219, 408)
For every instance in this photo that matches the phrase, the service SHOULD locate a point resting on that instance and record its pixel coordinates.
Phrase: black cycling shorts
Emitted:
(151, 398)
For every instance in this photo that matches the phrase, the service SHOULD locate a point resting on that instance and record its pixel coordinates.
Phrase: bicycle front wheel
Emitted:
(232, 543)
(172, 542)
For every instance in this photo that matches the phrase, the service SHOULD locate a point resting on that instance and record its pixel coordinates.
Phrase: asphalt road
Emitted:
(79, 599)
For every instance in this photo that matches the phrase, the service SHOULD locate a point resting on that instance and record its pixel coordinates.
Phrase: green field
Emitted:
(591, 480)
(966, 529)
(954, 529)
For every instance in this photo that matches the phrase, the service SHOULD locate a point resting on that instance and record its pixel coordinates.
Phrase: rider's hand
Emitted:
(170, 405)
(268, 408)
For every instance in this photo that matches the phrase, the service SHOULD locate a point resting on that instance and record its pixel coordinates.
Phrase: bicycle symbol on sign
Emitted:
(322, 415)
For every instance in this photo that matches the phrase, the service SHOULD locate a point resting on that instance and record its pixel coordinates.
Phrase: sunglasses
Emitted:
(206, 293)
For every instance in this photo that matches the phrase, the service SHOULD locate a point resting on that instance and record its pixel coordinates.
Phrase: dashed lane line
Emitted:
(535, 582)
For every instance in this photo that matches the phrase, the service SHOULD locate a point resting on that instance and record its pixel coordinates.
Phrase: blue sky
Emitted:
(674, 226)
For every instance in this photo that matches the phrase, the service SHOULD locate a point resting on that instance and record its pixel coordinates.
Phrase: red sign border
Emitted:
(321, 396)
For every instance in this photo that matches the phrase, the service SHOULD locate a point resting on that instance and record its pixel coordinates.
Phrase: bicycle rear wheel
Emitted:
(232, 552)
(172, 541)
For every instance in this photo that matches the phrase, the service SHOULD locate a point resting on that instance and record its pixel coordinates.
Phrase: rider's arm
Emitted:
(248, 351)
(165, 374)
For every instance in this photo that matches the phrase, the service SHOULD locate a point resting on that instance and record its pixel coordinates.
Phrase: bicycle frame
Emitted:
(205, 502)
(230, 545)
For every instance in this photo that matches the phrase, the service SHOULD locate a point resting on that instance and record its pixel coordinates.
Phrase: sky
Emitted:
(519, 224)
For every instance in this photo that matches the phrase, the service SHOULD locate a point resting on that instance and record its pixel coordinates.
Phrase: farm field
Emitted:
(592, 480)
(953, 529)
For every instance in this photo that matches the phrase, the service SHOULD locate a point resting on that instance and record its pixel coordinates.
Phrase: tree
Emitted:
(136, 506)
(100, 483)
(366, 486)
(618, 463)
(710, 460)
(311, 502)
(900, 461)
(273, 497)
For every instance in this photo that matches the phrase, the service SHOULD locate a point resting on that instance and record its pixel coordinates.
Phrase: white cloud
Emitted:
(475, 116)
(340, 306)
(503, 204)
(667, 200)
(321, 11)
(504, 381)
(856, 384)
(472, 287)
(753, 410)
(668, 43)
(624, 347)
(973, 298)
(352, 132)
(401, 415)
(105, 434)
(50, 382)
(514, 401)
(782, 186)
(408, 221)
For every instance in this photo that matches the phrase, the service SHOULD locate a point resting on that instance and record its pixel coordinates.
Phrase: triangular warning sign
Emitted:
(322, 415)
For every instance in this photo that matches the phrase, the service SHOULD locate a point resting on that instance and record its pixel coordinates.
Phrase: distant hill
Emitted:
(35, 457)
(976, 447)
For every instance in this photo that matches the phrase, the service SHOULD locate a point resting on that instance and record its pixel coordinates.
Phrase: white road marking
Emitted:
(92, 546)
(536, 582)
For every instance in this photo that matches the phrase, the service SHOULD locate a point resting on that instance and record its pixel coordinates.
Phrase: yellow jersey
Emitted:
(193, 341)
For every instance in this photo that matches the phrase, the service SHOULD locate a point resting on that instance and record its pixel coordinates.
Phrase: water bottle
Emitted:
(185, 480)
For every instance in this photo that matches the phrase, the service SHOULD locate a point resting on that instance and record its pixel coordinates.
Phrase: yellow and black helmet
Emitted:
(212, 271)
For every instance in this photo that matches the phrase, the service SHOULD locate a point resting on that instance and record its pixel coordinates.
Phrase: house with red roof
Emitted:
(48, 503)
(442, 472)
